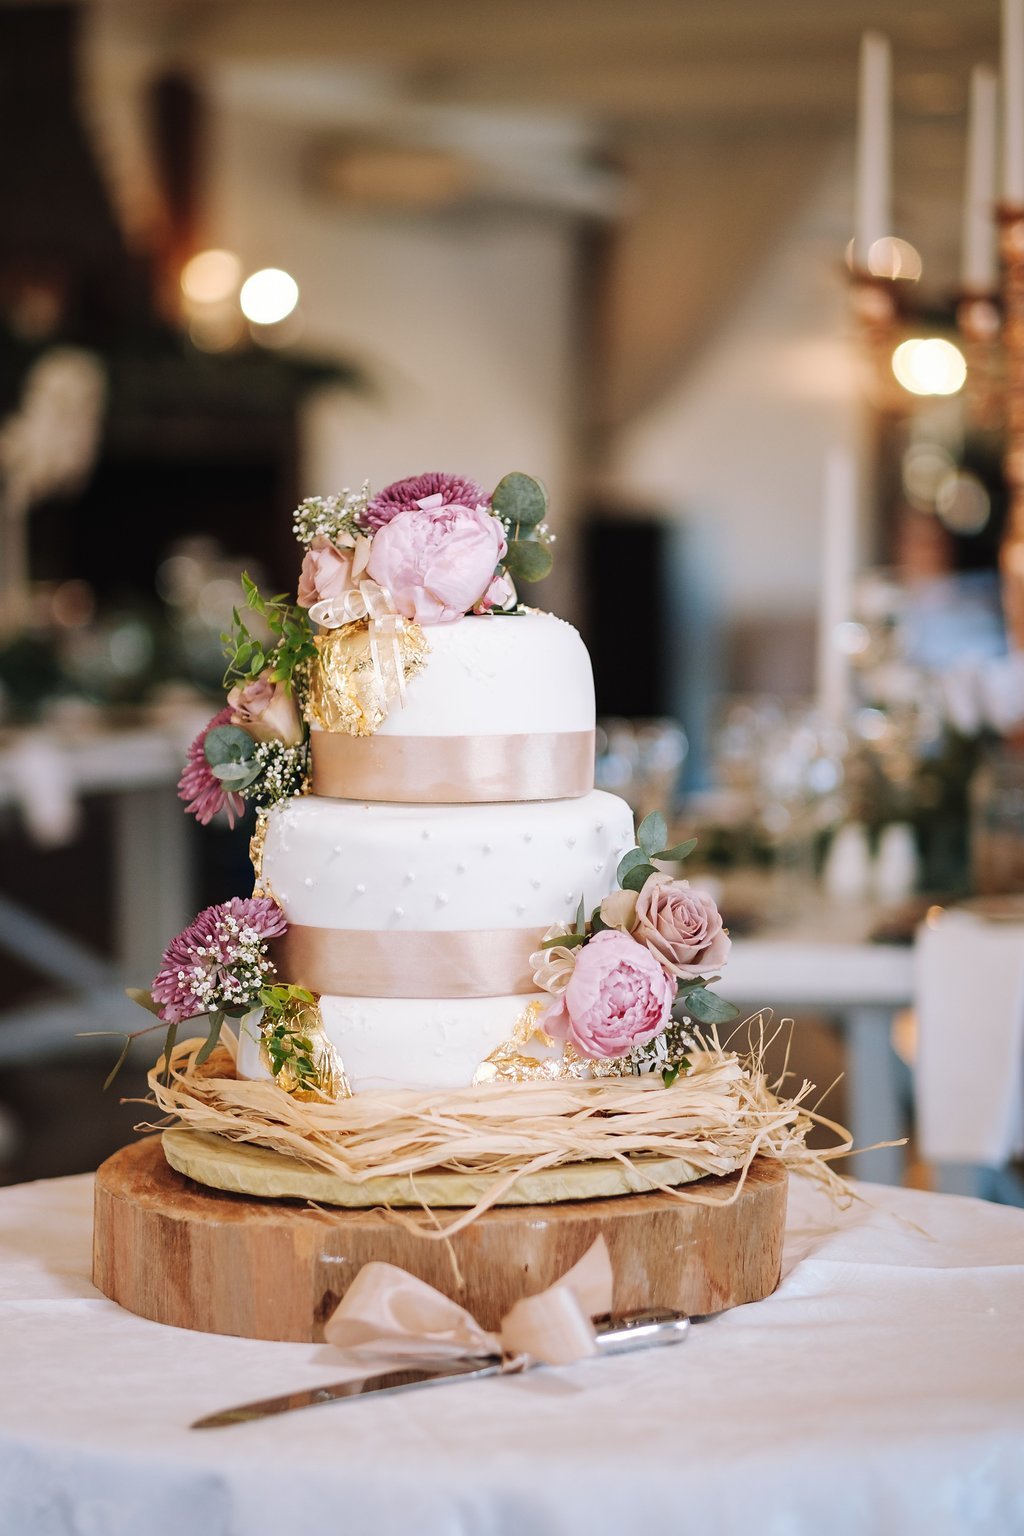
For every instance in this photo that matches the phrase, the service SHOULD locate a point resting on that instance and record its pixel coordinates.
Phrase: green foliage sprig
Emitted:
(248, 656)
(274, 1001)
(522, 504)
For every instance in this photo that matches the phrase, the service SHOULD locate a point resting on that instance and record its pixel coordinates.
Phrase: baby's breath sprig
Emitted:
(331, 516)
(284, 772)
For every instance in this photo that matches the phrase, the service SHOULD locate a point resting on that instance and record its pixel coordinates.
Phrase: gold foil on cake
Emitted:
(360, 670)
(297, 1051)
(512, 1061)
(257, 843)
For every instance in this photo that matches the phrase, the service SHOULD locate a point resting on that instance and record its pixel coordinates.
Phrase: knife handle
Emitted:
(640, 1330)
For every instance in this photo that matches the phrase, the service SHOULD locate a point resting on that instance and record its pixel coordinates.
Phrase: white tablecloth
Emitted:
(880, 1390)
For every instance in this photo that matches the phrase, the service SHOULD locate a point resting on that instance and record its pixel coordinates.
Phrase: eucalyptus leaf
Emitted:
(709, 1008)
(526, 560)
(637, 877)
(677, 852)
(597, 922)
(228, 744)
(237, 776)
(206, 1050)
(144, 998)
(629, 861)
(652, 833)
(581, 916)
(521, 499)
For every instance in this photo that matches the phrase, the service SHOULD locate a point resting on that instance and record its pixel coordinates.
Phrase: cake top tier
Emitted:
(406, 668)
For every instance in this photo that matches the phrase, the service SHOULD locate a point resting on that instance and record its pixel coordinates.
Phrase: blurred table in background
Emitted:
(46, 773)
(818, 954)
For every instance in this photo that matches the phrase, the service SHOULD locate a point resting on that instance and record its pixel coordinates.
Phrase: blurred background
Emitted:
(728, 279)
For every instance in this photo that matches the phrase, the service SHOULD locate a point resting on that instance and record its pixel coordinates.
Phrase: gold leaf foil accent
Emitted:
(512, 1062)
(360, 670)
(257, 842)
(301, 1033)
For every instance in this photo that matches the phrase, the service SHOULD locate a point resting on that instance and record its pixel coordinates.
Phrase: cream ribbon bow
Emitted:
(389, 1312)
(367, 599)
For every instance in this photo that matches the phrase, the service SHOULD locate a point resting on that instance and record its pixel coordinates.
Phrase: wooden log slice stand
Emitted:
(177, 1252)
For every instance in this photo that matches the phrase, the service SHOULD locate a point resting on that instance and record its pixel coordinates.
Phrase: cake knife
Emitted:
(613, 1336)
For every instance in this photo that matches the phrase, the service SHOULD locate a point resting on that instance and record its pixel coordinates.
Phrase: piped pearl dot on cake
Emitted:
(520, 908)
(410, 876)
(399, 911)
(308, 882)
(360, 889)
(338, 848)
(569, 896)
(442, 899)
(487, 848)
(535, 884)
(527, 837)
(599, 827)
(570, 842)
(425, 833)
(598, 867)
(460, 868)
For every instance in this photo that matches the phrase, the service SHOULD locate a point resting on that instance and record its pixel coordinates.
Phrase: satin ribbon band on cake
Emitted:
(351, 962)
(387, 1311)
(453, 770)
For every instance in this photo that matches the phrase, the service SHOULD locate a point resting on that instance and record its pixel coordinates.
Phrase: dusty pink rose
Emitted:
(681, 927)
(437, 561)
(405, 495)
(501, 594)
(199, 786)
(327, 571)
(618, 996)
(266, 710)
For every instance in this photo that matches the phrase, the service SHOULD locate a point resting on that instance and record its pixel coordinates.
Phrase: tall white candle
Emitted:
(874, 146)
(1013, 102)
(978, 272)
(838, 571)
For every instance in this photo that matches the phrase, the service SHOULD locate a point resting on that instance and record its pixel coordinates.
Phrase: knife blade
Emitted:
(613, 1335)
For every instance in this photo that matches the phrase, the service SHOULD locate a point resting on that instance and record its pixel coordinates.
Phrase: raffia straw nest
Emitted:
(719, 1116)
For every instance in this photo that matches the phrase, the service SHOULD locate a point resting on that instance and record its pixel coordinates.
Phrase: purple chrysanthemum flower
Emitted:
(200, 786)
(404, 496)
(220, 961)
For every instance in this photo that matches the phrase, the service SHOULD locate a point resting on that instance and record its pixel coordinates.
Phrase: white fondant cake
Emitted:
(444, 903)
(484, 676)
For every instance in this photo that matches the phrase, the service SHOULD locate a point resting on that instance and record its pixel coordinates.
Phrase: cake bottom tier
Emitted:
(408, 1042)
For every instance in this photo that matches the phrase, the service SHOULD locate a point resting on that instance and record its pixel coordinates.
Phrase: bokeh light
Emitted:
(929, 366)
(269, 296)
(211, 277)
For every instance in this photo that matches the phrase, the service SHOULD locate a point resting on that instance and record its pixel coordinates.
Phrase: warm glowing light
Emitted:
(893, 257)
(963, 503)
(211, 277)
(268, 296)
(929, 366)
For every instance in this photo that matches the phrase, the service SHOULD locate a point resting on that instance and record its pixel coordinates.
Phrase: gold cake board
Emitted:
(178, 1252)
(241, 1168)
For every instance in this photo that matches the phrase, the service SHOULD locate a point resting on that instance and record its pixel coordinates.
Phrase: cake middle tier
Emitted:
(433, 901)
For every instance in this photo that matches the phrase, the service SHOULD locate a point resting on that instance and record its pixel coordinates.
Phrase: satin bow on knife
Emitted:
(388, 1313)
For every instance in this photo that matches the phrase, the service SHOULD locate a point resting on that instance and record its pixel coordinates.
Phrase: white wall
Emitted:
(737, 447)
(463, 325)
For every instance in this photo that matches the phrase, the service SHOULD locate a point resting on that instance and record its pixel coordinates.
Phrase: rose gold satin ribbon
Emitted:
(387, 1311)
(453, 770)
(353, 962)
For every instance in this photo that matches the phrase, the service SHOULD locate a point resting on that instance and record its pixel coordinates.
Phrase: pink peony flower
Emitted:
(681, 927)
(329, 572)
(438, 560)
(220, 960)
(199, 785)
(406, 496)
(266, 710)
(500, 594)
(618, 996)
